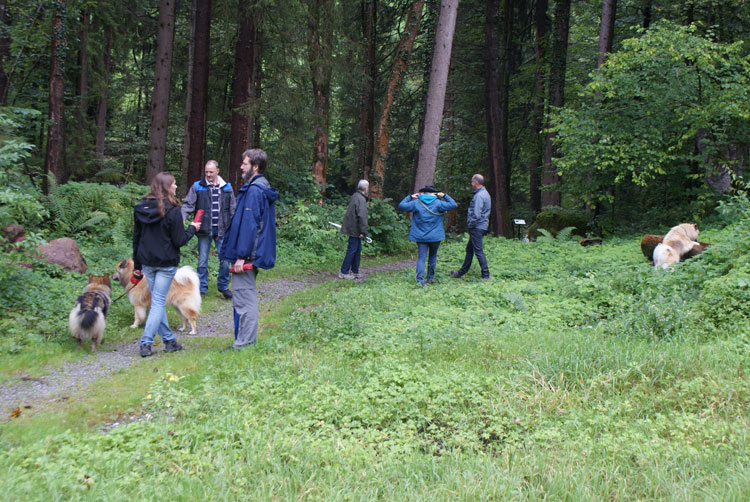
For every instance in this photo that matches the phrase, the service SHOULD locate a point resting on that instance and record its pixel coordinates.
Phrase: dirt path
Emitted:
(71, 379)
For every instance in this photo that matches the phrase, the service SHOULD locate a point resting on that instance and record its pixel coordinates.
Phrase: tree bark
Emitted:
(496, 84)
(185, 164)
(540, 56)
(83, 75)
(244, 89)
(556, 94)
(367, 109)
(433, 114)
(5, 20)
(101, 113)
(53, 162)
(160, 97)
(377, 175)
(607, 30)
(646, 14)
(319, 55)
(199, 93)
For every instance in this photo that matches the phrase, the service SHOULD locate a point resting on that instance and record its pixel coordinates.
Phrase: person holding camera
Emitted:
(428, 206)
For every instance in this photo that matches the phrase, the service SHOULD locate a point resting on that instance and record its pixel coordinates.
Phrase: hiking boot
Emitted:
(146, 350)
(172, 346)
(227, 293)
(456, 274)
(346, 276)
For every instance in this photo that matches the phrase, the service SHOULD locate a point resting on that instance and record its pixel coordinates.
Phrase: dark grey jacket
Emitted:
(355, 219)
(479, 210)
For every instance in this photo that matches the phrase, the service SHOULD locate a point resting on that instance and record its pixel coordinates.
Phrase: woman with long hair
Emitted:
(158, 235)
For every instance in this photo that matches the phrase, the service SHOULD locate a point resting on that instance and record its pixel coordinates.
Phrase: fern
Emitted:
(566, 234)
(516, 300)
(546, 236)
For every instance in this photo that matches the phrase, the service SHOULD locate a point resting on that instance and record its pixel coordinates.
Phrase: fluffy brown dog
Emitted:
(88, 319)
(650, 241)
(678, 242)
(184, 294)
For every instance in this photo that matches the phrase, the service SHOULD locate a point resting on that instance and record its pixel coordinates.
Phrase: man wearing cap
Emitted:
(215, 197)
(427, 206)
(478, 221)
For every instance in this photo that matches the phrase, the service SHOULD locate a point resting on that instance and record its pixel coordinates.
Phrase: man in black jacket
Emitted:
(355, 226)
(216, 198)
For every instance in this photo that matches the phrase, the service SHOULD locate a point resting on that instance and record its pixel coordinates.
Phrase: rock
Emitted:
(64, 252)
(13, 233)
(650, 241)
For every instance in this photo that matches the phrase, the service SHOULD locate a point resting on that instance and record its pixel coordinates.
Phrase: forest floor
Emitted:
(73, 378)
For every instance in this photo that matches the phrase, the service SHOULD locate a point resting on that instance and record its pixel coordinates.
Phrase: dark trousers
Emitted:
(353, 252)
(474, 247)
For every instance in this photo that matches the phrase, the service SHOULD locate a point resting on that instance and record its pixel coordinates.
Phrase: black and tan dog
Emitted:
(88, 319)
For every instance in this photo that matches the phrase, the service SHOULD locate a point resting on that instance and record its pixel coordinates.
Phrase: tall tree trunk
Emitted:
(185, 164)
(433, 114)
(319, 55)
(5, 22)
(244, 89)
(405, 45)
(367, 108)
(53, 162)
(496, 111)
(157, 143)
(101, 113)
(646, 14)
(83, 65)
(558, 60)
(540, 56)
(199, 93)
(607, 31)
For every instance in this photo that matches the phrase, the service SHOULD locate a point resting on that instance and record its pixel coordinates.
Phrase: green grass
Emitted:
(574, 374)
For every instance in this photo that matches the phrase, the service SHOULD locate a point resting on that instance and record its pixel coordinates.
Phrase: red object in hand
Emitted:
(135, 278)
(246, 266)
(198, 215)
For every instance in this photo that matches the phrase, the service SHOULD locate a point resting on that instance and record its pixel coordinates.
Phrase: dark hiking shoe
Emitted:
(146, 350)
(227, 293)
(456, 274)
(172, 346)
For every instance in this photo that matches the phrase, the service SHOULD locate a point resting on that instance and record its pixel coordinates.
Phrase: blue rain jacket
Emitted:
(427, 221)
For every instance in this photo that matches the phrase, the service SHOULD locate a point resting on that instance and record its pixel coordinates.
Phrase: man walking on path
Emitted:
(478, 221)
(355, 226)
(215, 197)
(250, 243)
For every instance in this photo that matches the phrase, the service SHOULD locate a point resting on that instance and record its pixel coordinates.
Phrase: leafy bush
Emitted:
(388, 228)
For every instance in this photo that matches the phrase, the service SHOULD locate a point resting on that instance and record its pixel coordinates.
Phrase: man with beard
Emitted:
(250, 243)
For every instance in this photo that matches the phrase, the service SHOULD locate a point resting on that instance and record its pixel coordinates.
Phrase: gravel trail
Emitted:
(71, 379)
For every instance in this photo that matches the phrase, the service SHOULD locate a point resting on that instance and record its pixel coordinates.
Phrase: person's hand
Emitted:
(440, 194)
(197, 225)
(237, 267)
(361, 236)
(136, 277)
(414, 195)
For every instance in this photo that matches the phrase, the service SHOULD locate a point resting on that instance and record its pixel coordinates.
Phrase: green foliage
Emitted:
(389, 229)
(644, 110)
(566, 234)
(555, 219)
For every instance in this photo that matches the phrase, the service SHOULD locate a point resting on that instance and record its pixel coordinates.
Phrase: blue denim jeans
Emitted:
(474, 247)
(423, 248)
(159, 280)
(353, 252)
(204, 248)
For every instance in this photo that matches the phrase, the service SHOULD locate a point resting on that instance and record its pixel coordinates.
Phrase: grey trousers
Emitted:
(245, 303)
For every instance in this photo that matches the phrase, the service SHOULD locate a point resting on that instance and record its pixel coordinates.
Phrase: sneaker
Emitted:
(456, 274)
(346, 276)
(172, 346)
(227, 293)
(146, 350)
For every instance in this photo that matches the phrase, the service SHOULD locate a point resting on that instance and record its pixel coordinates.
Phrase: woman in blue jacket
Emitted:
(428, 206)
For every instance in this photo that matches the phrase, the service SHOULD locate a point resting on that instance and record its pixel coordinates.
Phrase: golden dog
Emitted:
(678, 242)
(184, 294)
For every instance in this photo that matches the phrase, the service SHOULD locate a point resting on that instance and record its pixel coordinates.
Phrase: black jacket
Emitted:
(355, 219)
(157, 240)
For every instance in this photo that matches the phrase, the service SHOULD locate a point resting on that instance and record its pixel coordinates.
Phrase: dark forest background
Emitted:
(631, 111)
